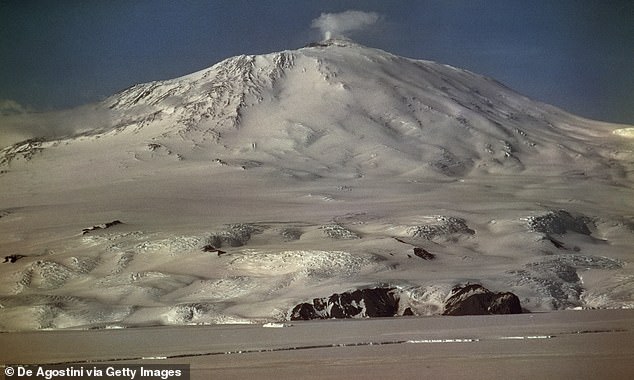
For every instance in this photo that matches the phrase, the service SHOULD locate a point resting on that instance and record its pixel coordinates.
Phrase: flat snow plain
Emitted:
(591, 344)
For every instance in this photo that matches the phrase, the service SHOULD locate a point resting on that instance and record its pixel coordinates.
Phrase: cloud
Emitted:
(17, 124)
(338, 24)
(11, 107)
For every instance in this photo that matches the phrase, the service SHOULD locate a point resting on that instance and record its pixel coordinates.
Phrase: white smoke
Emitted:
(338, 24)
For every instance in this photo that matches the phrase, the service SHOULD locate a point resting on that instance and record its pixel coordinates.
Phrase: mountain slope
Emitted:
(265, 181)
(346, 108)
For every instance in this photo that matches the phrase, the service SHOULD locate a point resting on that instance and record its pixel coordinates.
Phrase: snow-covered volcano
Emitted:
(265, 181)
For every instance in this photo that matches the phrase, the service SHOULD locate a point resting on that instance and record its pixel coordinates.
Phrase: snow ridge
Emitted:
(209, 101)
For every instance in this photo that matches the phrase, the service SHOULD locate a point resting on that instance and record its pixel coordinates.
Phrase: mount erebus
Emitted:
(235, 193)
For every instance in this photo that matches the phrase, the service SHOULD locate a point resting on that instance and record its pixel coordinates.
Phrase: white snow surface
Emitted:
(318, 170)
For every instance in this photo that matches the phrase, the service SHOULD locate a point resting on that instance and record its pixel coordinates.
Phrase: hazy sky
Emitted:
(575, 54)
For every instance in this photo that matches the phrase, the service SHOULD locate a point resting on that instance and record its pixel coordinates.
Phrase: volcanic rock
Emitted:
(477, 300)
(424, 254)
(12, 258)
(101, 226)
(360, 303)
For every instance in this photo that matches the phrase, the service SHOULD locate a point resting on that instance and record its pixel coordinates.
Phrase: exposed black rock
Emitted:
(424, 254)
(505, 303)
(153, 146)
(560, 245)
(304, 312)
(339, 41)
(12, 258)
(418, 251)
(477, 300)
(22, 150)
(317, 44)
(101, 226)
(211, 248)
(360, 303)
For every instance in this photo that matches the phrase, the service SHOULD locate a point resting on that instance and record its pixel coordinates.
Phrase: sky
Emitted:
(575, 54)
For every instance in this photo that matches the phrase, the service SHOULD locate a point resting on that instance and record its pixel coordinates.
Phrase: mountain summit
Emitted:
(354, 109)
(240, 191)
(346, 106)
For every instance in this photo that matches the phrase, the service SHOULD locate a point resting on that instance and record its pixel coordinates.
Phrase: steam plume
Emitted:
(338, 24)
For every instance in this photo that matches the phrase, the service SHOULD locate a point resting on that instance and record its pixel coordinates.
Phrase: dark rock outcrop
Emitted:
(153, 146)
(424, 254)
(22, 150)
(384, 302)
(101, 226)
(360, 303)
(477, 300)
(211, 248)
(418, 251)
(12, 258)
(236, 235)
